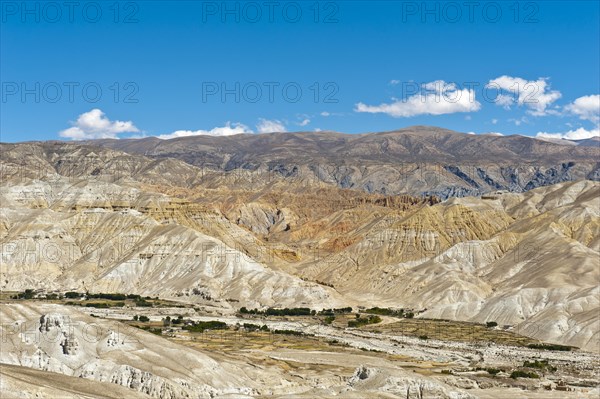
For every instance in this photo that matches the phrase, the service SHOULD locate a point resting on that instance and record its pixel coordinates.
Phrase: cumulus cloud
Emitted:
(270, 126)
(586, 108)
(263, 126)
(95, 125)
(304, 122)
(436, 98)
(520, 121)
(505, 100)
(228, 130)
(577, 134)
(533, 94)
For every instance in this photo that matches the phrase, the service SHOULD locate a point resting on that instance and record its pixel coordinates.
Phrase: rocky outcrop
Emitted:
(77, 345)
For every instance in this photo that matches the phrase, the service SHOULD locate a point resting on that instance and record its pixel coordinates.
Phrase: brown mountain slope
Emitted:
(414, 160)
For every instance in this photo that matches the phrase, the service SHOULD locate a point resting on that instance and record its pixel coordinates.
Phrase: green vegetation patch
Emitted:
(201, 326)
(523, 374)
(363, 321)
(386, 312)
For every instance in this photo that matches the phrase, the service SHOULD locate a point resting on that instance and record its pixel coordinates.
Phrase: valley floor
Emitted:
(46, 345)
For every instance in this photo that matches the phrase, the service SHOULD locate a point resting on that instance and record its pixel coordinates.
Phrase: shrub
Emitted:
(539, 364)
(287, 332)
(491, 324)
(144, 318)
(27, 294)
(288, 312)
(329, 319)
(251, 327)
(73, 295)
(255, 327)
(550, 347)
(143, 303)
(523, 374)
(386, 312)
(201, 326)
(112, 297)
(332, 312)
(363, 321)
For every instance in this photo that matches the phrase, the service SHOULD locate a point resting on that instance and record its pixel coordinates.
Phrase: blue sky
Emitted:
(152, 68)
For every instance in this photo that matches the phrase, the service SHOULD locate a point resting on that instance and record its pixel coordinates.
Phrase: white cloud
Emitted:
(270, 126)
(578, 134)
(227, 130)
(436, 98)
(534, 94)
(304, 122)
(494, 121)
(325, 113)
(505, 100)
(519, 122)
(586, 107)
(494, 133)
(439, 86)
(95, 125)
(263, 126)
(394, 82)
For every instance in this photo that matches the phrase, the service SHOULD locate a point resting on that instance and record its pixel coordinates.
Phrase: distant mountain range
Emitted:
(418, 160)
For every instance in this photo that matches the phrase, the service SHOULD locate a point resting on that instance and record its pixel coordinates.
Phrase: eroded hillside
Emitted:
(78, 217)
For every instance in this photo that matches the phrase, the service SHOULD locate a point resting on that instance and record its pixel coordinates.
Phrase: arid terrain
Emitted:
(418, 263)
